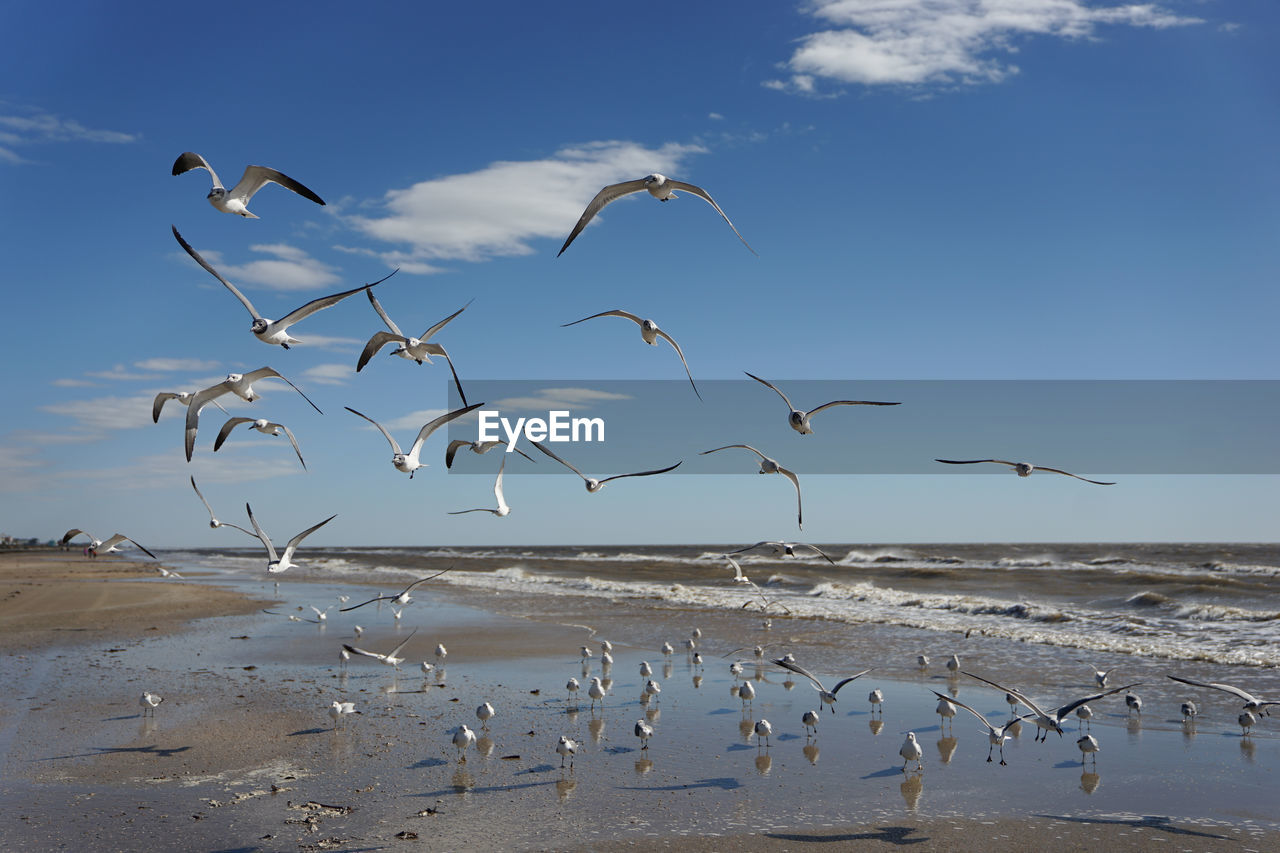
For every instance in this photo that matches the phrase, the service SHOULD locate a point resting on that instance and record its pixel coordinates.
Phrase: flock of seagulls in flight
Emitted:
(421, 349)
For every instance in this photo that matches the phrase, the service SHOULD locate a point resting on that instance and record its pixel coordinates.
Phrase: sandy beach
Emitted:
(242, 754)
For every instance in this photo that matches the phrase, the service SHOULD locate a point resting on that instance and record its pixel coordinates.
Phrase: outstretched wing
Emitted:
(438, 326)
(395, 445)
(643, 473)
(680, 353)
(266, 540)
(606, 195)
(544, 449)
(257, 177)
(743, 446)
(797, 668)
(842, 682)
(377, 342)
(244, 300)
(1069, 474)
(297, 540)
(1213, 685)
(769, 384)
(813, 412)
(189, 160)
(705, 196)
(226, 431)
(795, 481)
(433, 425)
(117, 539)
(299, 314)
(617, 313)
(265, 372)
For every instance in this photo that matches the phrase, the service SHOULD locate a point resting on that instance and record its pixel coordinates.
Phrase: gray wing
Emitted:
(705, 196)
(193, 412)
(288, 432)
(797, 668)
(224, 432)
(606, 195)
(1213, 685)
(1071, 706)
(377, 342)
(680, 353)
(976, 461)
(842, 682)
(189, 160)
(438, 326)
(377, 306)
(544, 449)
(120, 537)
(161, 398)
(396, 651)
(73, 533)
(244, 300)
(395, 445)
(453, 451)
(790, 475)
(269, 372)
(1069, 474)
(297, 540)
(813, 412)
(643, 473)
(433, 425)
(1014, 693)
(266, 540)
(743, 446)
(299, 314)
(960, 704)
(436, 349)
(616, 313)
(769, 384)
(257, 177)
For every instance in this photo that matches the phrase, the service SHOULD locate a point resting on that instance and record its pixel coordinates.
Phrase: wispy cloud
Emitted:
(546, 399)
(26, 127)
(948, 42)
(329, 374)
(499, 209)
(175, 364)
(73, 383)
(288, 268)
(120, 373)
(106, 413)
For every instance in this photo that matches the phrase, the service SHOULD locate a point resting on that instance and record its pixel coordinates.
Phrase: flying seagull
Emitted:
(183, 397)
(786, 548)
(391, 658)
(594, 485)
(213, 519)
(1023, 469)
(263, 426)
(409, 462)
(418, 349)
(283, 562)
(1251, 702)
(240, 384)
(98, 546)
(770, 466)
(1049, 721)
(254, 178)
(477, 447)
(659, 186)
(503, 510)
(649, 331)
(800, 420)
(276, 332)
(400, 599)
(828, 697)
(996, 735)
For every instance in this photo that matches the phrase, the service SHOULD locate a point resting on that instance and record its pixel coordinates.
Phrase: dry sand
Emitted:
(241, 754)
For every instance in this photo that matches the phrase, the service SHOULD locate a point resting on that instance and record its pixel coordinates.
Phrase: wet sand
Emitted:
(241, 755)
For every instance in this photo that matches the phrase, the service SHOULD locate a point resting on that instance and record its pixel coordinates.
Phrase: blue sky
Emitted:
(1042, 189)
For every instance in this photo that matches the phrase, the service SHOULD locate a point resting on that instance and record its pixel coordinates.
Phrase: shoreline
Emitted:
(242, 750)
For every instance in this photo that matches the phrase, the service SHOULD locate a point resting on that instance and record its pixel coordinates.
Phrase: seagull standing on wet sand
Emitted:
(338, 711)
(566, 748)
(149, 702)
(1088, 746)
(659, 186)
(463, 738)
(911, 751)
(644, 731)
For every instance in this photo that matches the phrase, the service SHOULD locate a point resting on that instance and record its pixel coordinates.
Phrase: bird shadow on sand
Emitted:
(125, 717)
(428, 762)
(119, 750)
(887, 772)
(314, 731)
(887, 834)
(1160, 822)
(488, 789)
(724, 783)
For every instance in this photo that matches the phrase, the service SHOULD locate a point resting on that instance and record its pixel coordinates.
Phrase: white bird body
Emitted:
(651, 689)
(441, 652)
(911, 751)
(810, 721)
(1022, 469)
(1247, 721)
(282, 562)
(876, 698)
(644, 731)
(418, 349)
(484, 714)
(763, 728)
(1088, 746)
(649, 333)
(747, 693)
(770, 466)
(149, 702)
(392, 658)
(236, 200)
(595, 690)
(1189, 711)
(572, 686)
(566, 748)
(1134, 701)
(645, 669)
(503, 509)
(338, 711)
(275, 332)
(240, 384)
(463, 738)
(411, 462)
(798, 419)
(953, 664)
(659, 186)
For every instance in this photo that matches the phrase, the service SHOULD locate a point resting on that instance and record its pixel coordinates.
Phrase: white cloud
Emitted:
(290, 268)
(329, 374)
(546, 399)
(918, 42)
(73, 383)
(499, 209)
(24, 127)
(411, 422)
(329, 342)
(173, 364)
(104, 413)
(120, 373)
